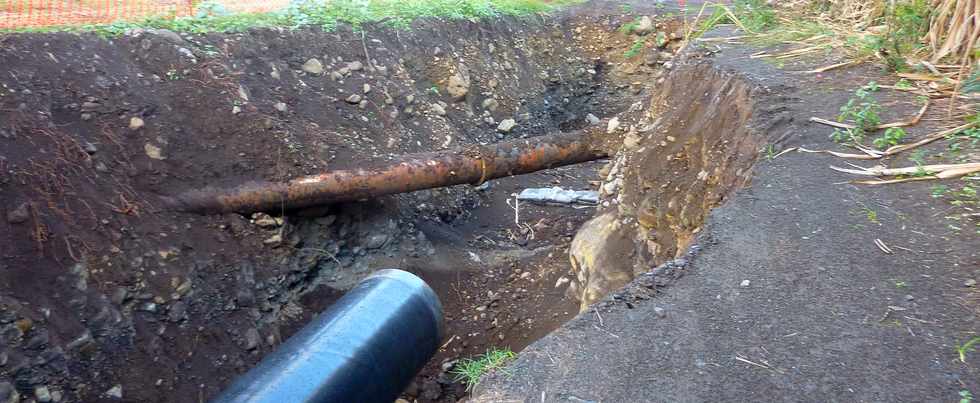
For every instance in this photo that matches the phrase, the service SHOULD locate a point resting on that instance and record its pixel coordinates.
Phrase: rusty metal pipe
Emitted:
(472, 165)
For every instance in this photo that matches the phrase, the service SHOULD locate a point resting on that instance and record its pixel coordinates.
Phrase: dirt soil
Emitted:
(105, 295)
(784, 296)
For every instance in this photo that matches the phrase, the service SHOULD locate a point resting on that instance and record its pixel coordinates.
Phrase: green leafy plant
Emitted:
(891, 137)
(939, 191)
(635, 49)
(966, 348)
(770, 151)
(966, 396)
(629, 27)
(870, 214)
(863, 111)
(470, 370)
(756, 15)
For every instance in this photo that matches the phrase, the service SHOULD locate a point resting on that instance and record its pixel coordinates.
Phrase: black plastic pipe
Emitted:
(367, 347)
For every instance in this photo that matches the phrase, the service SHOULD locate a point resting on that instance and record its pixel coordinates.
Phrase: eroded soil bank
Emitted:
(105, 295)
(785, 296)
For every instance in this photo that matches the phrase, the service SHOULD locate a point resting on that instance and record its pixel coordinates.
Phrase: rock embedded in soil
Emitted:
(490, 104)
(280, 106)
(506, 125)
(115, 392)
(644, 26)
(355, 66)
(154, 152)
(19, 214)
(42, 394)
(459, 86)
(354, 99)
(313, 66)
(252, 339)
(437, 109)
(136, 123)
(613, 125)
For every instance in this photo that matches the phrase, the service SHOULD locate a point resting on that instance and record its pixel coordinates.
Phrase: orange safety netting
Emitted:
(48, 13)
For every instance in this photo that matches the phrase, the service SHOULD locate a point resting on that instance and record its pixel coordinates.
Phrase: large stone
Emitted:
(166, 34)
(506, 125)
(602, 259)
(643, 26)
(313, 66)
(459, 85)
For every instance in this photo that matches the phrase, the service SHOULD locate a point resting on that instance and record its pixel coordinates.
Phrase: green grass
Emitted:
(635, 49)
(470, 370)
(966, 348)
(398, 13)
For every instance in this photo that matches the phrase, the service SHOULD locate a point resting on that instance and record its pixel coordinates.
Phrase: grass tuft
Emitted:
(326, 14)
(470, 370)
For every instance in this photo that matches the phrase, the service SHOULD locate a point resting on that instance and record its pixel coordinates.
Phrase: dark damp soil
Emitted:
(786, 296)
(103, 293)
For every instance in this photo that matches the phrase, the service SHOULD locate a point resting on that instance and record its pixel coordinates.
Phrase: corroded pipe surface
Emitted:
(472, 165)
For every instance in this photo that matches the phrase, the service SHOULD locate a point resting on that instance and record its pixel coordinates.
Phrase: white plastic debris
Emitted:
(559, 195)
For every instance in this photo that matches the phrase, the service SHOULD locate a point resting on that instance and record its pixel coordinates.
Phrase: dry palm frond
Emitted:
(940, 170)
(954, 28)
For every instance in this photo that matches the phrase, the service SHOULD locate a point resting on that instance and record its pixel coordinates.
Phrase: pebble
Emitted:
(355, 66)
(376, 241)
(19, 214)
(280, 106)
(660, 312)
(154, 152)
(506, 125)
(970, 283)
(42, 394)
(252, 339)
(115, 392)
(909, 297)
(313, 66)
(613, 125)
(746, 283)
(367, 88)
(592, 119)
(490, 104)
(136, 123)
(273, 240)
(437, 109)
(354, 99)
(562, 281)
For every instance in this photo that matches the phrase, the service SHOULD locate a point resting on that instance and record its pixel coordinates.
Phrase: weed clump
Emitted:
(470, 370)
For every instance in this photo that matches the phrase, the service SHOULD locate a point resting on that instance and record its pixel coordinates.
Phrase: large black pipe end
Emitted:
(366, 347)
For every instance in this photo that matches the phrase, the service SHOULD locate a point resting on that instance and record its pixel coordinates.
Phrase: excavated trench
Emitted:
(107, 294)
